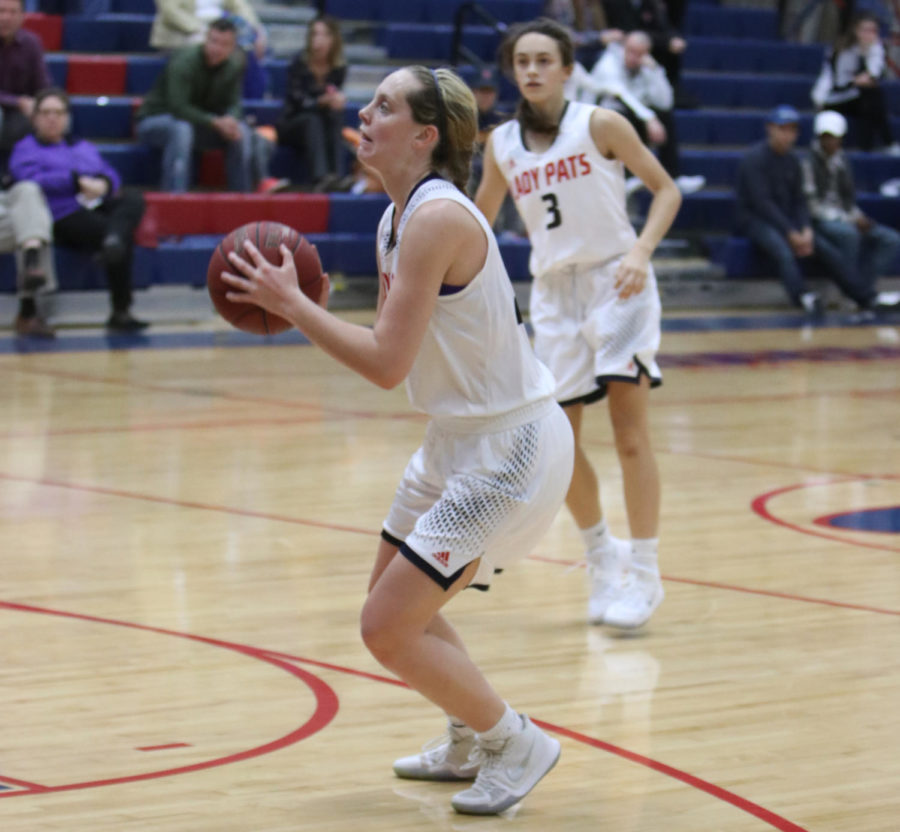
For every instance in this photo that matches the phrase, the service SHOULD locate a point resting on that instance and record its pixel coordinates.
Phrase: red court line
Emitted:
(691, 780)
(132, 495)
(770, 593)
(222, 394)
(25, 784)
(760, 507)
(325, 711)
(748, 806)
(370, 533)
(327, 706)
(164, 747)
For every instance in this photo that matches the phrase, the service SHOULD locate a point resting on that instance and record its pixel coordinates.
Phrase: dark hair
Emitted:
(847, 39)
(224, 24)
(527, 117)
(445, 100)
(51, 92)
(336, 55)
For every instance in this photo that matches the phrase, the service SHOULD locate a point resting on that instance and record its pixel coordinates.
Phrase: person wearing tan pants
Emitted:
(26, 229)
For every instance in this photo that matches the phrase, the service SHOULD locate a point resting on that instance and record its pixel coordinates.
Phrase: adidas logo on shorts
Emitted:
(443, 558)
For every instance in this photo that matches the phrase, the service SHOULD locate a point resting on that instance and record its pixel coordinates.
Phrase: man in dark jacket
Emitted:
(831, 195)
(772, 212)
(23, 72)
(196, 103)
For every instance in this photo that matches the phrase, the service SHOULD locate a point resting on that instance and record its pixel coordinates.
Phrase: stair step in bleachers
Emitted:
(107, 33)
(433, 42)
(724, 21)
(738, 127)
(746, 55)
(428, 11)
(735, 67)
(720, 166)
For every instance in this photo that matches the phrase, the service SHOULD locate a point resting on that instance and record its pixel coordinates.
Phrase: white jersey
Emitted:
(475, 359)
(571, 198)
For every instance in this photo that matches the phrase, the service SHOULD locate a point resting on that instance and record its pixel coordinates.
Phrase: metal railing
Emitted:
(458, 49)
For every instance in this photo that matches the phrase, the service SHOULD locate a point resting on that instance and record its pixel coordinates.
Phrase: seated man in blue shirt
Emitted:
(772, 211)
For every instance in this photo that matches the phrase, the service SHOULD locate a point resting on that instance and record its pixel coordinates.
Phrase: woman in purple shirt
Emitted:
(90, 212)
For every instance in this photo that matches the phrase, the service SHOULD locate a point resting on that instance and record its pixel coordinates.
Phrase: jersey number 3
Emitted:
(554, 219)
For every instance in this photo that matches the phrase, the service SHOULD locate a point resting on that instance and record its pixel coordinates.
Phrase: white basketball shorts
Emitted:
(588, 336)
(486, 494)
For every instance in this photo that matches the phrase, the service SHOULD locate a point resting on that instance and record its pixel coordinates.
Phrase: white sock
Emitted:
(644, 554)
(510, 723)
(458, 727)
(596, 537)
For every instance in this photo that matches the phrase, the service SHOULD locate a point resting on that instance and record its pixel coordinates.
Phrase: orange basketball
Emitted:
(267, 237)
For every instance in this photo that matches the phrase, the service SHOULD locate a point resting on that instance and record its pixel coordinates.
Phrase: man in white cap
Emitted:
(831, 195)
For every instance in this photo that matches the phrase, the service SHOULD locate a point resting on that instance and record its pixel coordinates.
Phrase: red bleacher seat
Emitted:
(48, 27)
(93, 75)
(218, 213)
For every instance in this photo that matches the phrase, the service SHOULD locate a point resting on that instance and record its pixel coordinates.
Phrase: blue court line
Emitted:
(96, 341)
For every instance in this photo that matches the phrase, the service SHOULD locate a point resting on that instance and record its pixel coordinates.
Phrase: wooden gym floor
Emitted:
(188, 521)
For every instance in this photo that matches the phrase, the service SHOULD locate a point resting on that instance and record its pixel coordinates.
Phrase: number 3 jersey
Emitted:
(571, 198)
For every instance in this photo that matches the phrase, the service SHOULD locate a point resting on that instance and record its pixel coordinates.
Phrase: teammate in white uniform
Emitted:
(594, 302)
(497, 457)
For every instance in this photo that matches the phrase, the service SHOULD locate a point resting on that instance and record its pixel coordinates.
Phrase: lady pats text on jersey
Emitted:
(550, 174)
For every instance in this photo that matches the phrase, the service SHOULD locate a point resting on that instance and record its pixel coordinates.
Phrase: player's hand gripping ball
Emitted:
(267, 237)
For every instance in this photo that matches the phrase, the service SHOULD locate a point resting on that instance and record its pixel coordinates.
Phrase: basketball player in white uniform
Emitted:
(497, 457)
(594, 301)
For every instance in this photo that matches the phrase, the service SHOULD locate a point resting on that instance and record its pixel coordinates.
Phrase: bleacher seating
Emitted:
(735, 67)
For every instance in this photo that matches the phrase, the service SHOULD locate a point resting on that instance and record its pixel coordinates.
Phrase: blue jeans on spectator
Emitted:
(840, 268)
(873, 250)
(179, 139)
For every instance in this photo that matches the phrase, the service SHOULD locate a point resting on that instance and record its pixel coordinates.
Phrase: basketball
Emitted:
(267, 237)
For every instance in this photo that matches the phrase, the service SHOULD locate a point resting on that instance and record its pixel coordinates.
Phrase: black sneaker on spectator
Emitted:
(125, 322)
(33, 327)
(34, 277)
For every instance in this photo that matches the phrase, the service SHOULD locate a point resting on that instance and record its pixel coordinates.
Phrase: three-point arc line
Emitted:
(325, 711)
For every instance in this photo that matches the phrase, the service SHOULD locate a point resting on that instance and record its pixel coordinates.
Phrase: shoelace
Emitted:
(486, 758)
(631, 582)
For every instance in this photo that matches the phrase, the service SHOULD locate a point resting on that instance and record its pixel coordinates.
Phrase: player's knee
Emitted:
(630, 443)
(382, 640)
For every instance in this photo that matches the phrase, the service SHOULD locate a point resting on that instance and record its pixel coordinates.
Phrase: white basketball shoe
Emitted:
(509, 769)
(444, 758)
(639, 596)
(606, 568)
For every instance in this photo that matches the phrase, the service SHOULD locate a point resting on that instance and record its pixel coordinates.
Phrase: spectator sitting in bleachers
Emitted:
(652, 17)
(23, 72)
(831, 195)
(631, 82)
(90, 212)
(772, 211)
(313, 114)
(850, 83)
(180, 23)
(26, 228)
(196, 104)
